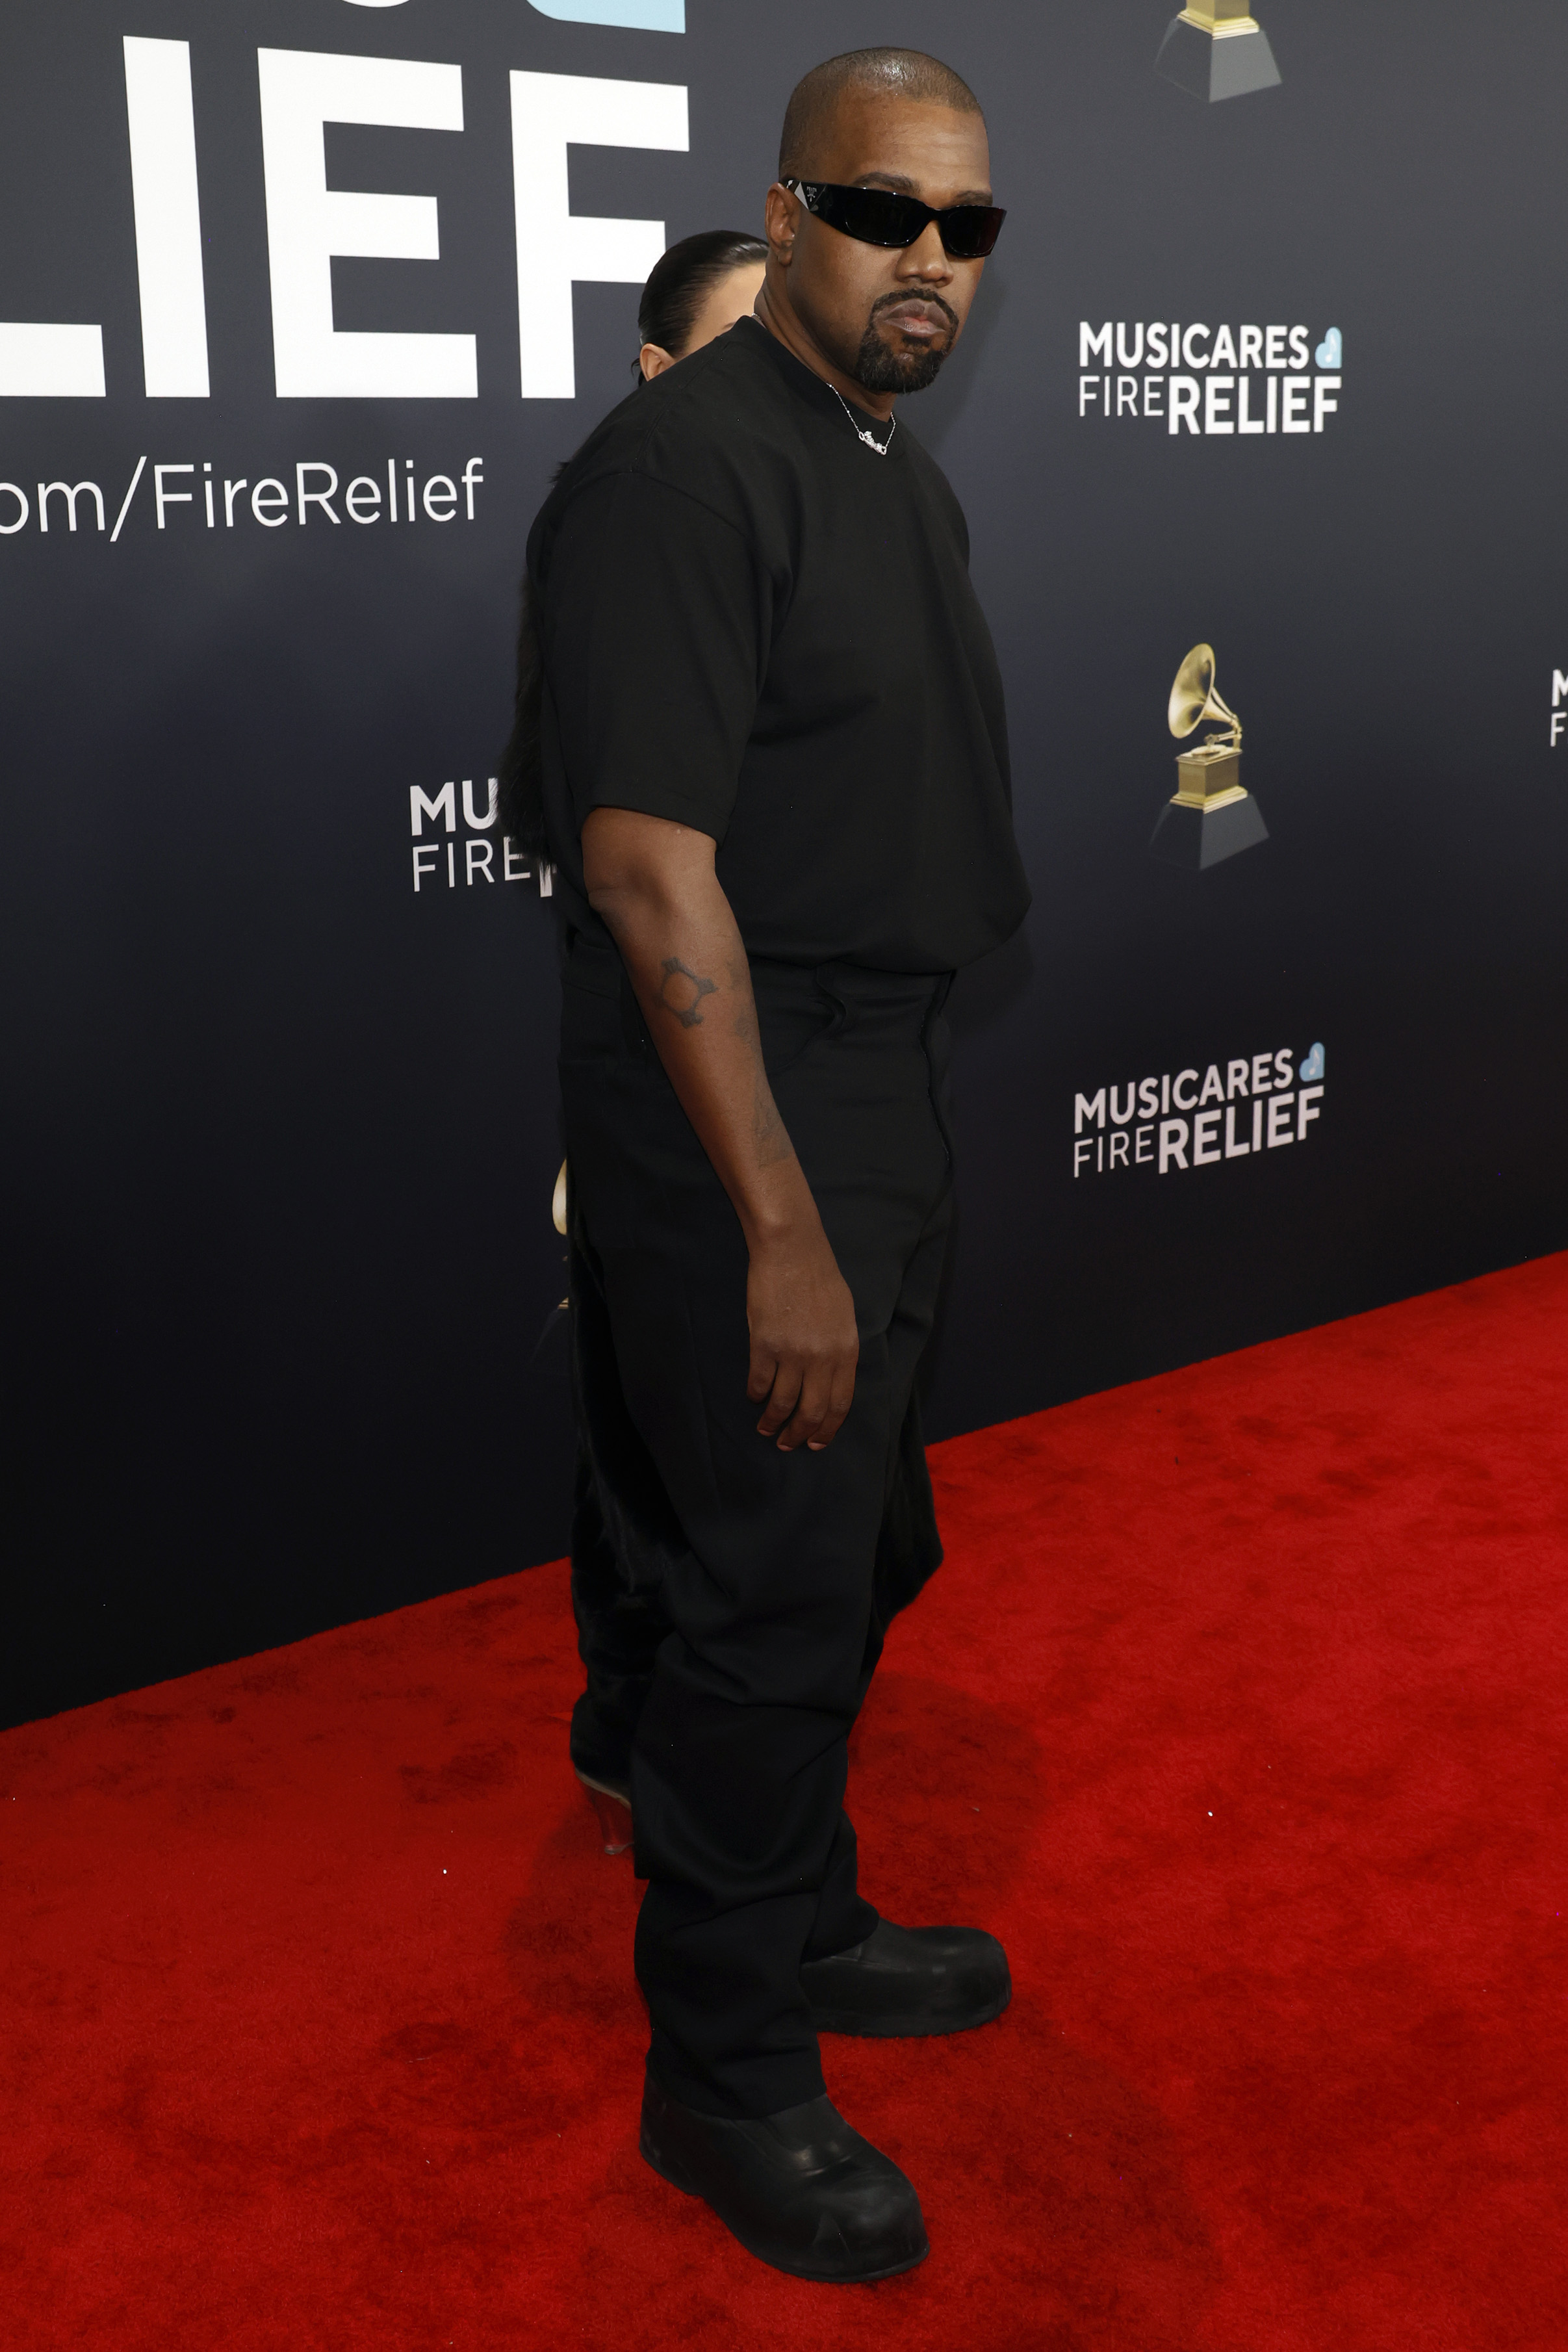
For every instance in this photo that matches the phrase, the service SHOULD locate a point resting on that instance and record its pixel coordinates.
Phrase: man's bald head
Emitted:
(898, 73)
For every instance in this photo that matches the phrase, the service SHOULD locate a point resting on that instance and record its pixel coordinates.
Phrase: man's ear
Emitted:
(782, 217)
(653, 359)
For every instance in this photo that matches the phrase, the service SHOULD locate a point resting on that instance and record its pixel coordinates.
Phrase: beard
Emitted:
(880, 368)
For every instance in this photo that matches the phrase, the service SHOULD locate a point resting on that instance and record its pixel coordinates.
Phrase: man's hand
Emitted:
(804, 1344)
(655, 886)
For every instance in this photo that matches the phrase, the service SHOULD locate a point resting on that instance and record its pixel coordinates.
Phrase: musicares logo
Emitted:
(487, 855)
(1261, 1104)
(1223, 380)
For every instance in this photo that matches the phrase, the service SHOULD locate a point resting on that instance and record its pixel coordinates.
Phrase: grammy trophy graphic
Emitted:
(1211, 816)
(1216, 49)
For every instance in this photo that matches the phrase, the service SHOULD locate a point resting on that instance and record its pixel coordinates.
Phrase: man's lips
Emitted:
(920, 321)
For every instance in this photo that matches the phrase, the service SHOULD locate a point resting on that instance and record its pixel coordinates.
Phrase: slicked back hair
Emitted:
(883, 73)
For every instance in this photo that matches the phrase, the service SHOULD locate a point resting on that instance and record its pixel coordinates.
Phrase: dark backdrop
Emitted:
(281, 1133)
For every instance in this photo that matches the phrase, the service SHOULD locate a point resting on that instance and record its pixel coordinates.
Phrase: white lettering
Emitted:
(272, 496)
(1172, 1143)
(420, 807)
(556, 247)
(70, 495)
(1091, 346)
(1279, 1108)
(307, 223)
(51, 363)
(1183, 409)
(163, 497)
(322, 498)
(470, 814)
(167, 207)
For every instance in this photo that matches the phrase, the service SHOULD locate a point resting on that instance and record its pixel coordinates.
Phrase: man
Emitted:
(775, 779)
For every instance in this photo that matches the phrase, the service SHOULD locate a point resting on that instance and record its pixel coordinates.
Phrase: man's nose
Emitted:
(926, 259)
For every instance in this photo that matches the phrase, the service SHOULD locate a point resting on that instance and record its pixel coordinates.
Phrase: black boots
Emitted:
(909, 1981)
(800, 2190)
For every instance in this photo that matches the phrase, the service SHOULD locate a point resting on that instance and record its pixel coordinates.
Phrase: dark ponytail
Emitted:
(521, 783)
(678, 285)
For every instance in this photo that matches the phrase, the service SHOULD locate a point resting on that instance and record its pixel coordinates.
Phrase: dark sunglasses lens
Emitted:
(969, 231)
(880, 217)
(872, 216)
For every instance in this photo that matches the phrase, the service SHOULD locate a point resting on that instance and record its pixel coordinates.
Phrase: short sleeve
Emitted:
(653, 629)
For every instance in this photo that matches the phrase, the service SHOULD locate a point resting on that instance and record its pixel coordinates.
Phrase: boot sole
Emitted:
(914, 2027)
(677, 2180)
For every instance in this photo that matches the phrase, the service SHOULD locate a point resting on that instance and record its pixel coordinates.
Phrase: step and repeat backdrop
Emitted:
(1258, 426)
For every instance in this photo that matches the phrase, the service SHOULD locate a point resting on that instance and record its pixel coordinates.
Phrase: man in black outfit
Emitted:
(776, 788)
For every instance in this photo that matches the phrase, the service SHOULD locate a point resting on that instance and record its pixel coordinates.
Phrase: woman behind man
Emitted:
(695, 292)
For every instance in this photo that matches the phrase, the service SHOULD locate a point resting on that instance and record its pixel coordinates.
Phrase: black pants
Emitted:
(765, 1580)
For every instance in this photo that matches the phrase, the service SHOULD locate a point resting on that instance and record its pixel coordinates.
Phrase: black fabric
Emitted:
(615, 1595)
(774, 1573)
(753, 624)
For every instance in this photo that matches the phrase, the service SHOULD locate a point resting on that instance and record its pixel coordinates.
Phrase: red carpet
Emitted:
(1239, 1711)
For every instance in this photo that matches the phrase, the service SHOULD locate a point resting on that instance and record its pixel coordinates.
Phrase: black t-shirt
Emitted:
(753, 624)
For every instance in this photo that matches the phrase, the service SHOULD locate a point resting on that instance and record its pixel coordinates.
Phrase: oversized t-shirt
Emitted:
(752, 624)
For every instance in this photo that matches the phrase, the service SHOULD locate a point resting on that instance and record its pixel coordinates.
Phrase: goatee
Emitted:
(880, 370)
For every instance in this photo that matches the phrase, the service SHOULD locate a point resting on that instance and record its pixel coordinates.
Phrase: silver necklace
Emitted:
(881, 447)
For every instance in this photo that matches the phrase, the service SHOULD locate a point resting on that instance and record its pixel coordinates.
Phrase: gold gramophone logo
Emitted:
(1211, 816)
(1216, 48)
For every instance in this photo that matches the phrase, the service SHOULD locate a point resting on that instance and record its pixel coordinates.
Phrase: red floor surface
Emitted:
(1237, 1711)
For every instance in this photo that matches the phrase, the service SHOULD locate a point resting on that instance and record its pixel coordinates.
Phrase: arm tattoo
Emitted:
(682, 990)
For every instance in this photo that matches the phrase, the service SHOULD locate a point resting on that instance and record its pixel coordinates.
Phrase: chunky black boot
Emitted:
(800, 2190)
(909, 1981)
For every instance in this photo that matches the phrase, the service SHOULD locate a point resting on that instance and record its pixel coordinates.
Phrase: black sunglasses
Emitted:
(878, 216)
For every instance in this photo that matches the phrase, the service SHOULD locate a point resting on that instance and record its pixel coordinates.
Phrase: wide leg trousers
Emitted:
(768, 1578)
